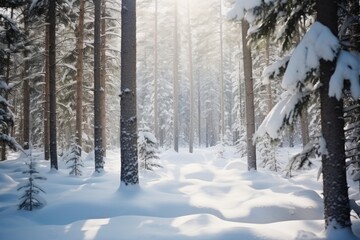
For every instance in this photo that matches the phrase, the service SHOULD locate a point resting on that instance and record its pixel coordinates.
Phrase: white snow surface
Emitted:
(194, 196)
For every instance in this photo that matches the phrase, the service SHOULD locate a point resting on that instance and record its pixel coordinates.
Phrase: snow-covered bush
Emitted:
(73, 158)
(148, 152)
(31, 198)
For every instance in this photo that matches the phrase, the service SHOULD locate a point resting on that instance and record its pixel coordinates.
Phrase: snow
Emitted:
(194, 196)
(240, 8)
(347, 68)
(318, 43)
(282, 111)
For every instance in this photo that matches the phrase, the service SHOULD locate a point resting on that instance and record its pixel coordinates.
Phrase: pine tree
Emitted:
(148, 152)
(73, 158)
(31, 199)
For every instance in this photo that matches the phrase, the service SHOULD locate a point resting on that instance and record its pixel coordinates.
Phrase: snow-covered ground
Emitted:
(194, 196)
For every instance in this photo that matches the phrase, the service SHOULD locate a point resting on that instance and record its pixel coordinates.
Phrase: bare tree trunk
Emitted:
(199, 111)
(52, 83)
(26, 91)
(304, 125)
(268, 86)
(79, 75)
(103, 78)
(99, 162)
(156, 110)
(129, 158)
(336, 199)
(250, 115)
(176, 80)
(46, 98)
(191, 79)
(222, 91)
(7, 80)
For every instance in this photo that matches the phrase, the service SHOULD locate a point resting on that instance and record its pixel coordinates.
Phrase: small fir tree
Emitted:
(148, 152)
(31, 198)
(73, 159)
(266, 147)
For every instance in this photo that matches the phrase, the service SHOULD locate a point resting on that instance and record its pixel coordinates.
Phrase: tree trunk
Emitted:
(52, 83)
(268, 86)
(191, 79)
(26, 91)
(79, 75)
(46, 98)
(222, 91)
(249, 100)
(336, 200)
(7, 80)
(99, 162)
(129, 158)
(304, 125)
(176, 80)
(103, 78)
(156, 110)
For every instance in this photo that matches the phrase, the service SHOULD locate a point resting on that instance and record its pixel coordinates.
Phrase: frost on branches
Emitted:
(148, 152)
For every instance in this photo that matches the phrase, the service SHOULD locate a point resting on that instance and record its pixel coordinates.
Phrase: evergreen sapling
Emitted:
(148, 152)
(31, 198)
(73, 159)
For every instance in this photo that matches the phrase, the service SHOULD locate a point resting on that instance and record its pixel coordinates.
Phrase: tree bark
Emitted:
(222, 91)
(52, 83)
(46, 98)
(336, 200)
(156, 110)
(129, 158)
(26, 90)
(249, 99)
(99, 162)
(191, 79)
(103, 78)
(176, 80)
(79, 75)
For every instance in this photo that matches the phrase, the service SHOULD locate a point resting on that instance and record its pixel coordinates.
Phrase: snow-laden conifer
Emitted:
(73, 160)
(31, 198)
(148, 152)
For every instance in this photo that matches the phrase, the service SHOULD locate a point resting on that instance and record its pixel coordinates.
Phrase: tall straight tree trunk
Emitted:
(156, 110)
(304, 126)
(129, 158)
(52, 83)
(199, 111)
(46, 98)
(7, 80)
(249, 99)
(175, 79)
(336, 200)
(26, 90)
(268, 86)
(103, 78)
(222, 91)
(79, 75)
(191, 79)
(99, 162)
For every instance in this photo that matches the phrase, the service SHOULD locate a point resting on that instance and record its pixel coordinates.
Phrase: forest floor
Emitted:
(204, 195)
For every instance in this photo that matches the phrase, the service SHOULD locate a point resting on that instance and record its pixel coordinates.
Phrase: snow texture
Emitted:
(195, 196)
(318, 43)
(347, 68)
